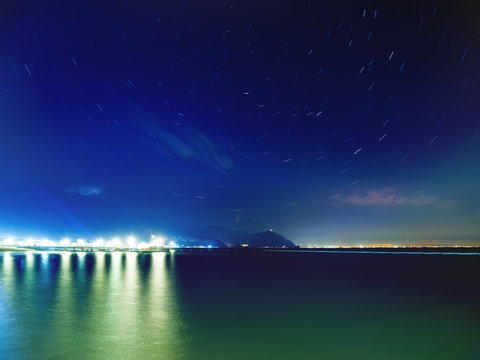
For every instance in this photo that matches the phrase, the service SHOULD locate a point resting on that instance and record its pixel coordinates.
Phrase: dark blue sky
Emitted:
(330, 122)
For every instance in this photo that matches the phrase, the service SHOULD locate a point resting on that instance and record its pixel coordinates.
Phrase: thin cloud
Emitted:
(84, 190)
(183, 141)
(386, 197)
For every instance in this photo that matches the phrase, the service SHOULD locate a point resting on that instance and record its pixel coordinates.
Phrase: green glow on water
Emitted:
(263, 306)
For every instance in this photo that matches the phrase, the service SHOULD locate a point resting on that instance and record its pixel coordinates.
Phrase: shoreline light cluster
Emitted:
(386, 246)
(125, 243)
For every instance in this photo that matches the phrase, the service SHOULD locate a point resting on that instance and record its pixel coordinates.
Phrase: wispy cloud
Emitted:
(388, 196)
(84, 190)
(184, 141)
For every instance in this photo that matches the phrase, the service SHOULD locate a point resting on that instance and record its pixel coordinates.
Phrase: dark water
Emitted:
(239, 306)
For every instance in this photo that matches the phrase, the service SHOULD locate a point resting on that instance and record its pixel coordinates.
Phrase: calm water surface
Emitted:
(239, 306)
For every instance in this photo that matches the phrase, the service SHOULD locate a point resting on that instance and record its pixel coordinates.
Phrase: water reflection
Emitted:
(37, 261)
(144, 262)
(108, 263)
(119, 304)
(185, 306)
(90, 264)
(19, 262)
(123, 261)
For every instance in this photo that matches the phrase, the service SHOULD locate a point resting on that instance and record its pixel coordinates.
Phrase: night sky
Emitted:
(340, 122)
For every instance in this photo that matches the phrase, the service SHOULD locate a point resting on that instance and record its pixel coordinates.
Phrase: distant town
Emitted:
(161, 243)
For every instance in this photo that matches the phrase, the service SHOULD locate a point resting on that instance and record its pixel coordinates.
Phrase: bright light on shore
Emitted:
(114, 243)
(98, 243)
(9, 241)
(81, 242)
(124, 243)
(157, 240)
(65, 242)
(131, 242)
(47, 243)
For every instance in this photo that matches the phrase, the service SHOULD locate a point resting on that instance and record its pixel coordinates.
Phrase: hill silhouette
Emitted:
(239, 238)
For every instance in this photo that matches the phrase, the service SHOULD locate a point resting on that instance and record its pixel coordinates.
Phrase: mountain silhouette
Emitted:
(239, 238)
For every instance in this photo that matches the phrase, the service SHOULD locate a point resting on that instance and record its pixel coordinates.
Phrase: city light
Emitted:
(162, 243)
(9, 241)
(142, 245)
(114, 243)
(98, 243)
(157, 240)
(81, 242)
(130, 242)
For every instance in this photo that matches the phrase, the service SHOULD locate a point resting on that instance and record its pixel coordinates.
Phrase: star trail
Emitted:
(331, 122)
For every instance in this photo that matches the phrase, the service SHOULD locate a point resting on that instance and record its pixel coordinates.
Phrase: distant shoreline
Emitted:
(474, 250)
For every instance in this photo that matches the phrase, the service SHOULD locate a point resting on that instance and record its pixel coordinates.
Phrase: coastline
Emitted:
(473, 250)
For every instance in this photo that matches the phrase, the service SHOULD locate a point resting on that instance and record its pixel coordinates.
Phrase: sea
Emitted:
(239, 305)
